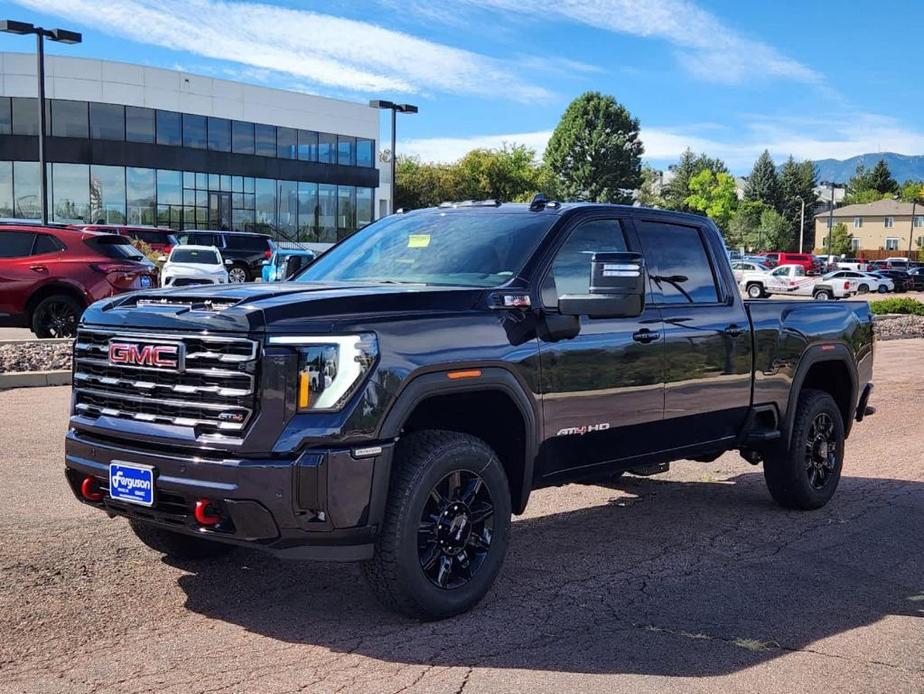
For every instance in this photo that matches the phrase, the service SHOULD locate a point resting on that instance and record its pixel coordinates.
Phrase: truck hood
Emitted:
(284, 307)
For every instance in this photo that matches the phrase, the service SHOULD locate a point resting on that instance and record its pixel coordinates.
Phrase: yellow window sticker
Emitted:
(418, 240)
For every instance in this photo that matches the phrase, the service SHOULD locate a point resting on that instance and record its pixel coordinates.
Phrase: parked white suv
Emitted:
(793, 281)
(189, 265)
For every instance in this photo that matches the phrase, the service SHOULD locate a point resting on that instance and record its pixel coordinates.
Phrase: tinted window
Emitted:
(168, 128)
(307, 145)
(265, 140)
(139, 124)
(365, 152)
(200, 239)
(25, 115)
(15, 244)
(45, 243)
(327, 148)
(286, 143)
(677, 262)
(194, 131)
(194, 255)
(151, 236)
(114, 247)
(242, 137)
(6, 118)
(69, 118)
(246, 243)
(107, 122)
(570, 273)
(219, 134)
(345, 151)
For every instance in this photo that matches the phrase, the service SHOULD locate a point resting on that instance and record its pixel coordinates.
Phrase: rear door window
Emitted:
(256, 244)
(16, 244)
(678, 265)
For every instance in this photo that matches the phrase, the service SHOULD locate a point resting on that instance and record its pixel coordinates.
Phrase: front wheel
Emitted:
(755, 291)
(882, 289)
(823, 295)
(805, 474)
(446, 527)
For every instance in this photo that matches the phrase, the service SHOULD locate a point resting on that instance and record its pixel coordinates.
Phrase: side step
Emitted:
(757, 437)
(649, 470)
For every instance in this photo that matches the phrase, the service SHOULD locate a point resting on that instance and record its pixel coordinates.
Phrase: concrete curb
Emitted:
(33, 379)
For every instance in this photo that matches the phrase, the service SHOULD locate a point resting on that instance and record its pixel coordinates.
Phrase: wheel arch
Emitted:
(494, 406)
(830, 368)
(50, 289)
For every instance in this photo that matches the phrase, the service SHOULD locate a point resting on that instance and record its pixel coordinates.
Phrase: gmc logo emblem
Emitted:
(157, 356)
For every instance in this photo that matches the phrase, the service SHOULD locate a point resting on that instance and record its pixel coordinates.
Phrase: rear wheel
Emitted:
(238, 274)
(863, 289)
(56, 316)
(177, 545)
(882, 289)
(823, 295)
(755, 291)
(806, 473)
(446, 527)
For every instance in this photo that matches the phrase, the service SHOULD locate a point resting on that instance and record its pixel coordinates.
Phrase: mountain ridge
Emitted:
(902, 166)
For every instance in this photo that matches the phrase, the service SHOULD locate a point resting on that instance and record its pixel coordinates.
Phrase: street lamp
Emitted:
(830, 215)
(801, 222)
(61, 36)
(395, 109)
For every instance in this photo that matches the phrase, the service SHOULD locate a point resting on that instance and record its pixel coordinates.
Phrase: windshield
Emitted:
(193, 255)
(474, 249)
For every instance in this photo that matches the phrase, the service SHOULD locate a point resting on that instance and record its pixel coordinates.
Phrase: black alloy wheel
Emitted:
(56, 317)
(456, 529)
(821, 449)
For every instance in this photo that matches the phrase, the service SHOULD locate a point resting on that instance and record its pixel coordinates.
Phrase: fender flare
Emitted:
(434, 382)
(819, 354)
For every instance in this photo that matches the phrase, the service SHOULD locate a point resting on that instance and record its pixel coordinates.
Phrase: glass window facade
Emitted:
(365, 152)
(107, 121)
(169, 128)
(219, 134)
(6, 116)
(194, 131)
(264, 140)
(107, 194)
(140, 195)
(69, 118)
(26, 204)
(139, 124)
(307, 145)
(70, 188)
(242, 137)
(345, 154)
(286, 143)
(327, 148)
(6, 188)
(24, 113)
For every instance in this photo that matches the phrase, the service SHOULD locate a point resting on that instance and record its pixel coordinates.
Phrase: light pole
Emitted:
(61, 36)
(914, 207)
(830, 216)
(801, 222)
(395, 109)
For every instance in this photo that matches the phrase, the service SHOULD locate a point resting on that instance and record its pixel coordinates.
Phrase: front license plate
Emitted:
(131, 483)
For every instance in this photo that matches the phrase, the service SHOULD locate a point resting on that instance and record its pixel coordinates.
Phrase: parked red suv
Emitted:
(160, 239)
(50, 274)
(804, 259)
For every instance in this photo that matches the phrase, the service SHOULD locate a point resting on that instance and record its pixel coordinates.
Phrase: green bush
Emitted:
(897, 305)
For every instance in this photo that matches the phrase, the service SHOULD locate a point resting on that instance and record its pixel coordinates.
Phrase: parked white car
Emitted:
(189, 265)
(793, 281)
(739, 267)
(866, 281)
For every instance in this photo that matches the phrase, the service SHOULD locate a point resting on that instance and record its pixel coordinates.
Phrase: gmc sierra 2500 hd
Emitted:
(399, 399)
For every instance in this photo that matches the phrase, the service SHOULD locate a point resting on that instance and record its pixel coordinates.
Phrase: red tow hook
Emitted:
(89, 489)
(206, 513)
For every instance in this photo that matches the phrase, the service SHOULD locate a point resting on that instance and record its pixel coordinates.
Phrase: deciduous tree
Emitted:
(713, 195)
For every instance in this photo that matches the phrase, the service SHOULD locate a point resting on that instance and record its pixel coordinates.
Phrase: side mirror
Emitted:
(264, 263)
(229, 262)
(617, 288)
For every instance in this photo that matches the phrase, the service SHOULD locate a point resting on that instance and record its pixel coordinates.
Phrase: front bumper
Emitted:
(324, 504)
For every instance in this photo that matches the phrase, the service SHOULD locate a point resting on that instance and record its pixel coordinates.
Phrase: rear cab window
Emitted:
(679, 268)
(113, 246)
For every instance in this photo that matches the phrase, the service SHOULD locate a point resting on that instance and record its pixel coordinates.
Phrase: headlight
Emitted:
(330, 368)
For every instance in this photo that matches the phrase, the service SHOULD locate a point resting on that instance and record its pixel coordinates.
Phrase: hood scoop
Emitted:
(190, 303)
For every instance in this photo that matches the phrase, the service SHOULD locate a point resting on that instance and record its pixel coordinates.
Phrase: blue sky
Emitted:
(811, 79)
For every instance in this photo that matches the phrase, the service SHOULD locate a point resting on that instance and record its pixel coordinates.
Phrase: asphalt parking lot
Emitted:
(690, 581)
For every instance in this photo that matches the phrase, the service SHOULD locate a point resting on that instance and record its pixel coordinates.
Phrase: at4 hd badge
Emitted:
(584, 429)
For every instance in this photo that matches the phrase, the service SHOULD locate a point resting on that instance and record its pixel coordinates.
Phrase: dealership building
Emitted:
(141, 145)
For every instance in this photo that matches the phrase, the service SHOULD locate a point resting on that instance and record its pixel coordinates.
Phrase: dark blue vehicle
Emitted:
(398, 400)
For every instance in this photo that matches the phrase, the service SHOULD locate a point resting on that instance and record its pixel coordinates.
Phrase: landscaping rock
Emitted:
(35, 355)
(899, 327)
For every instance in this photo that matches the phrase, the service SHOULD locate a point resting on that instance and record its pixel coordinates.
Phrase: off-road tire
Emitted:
(786, 468)
(177, 545)
(395, 574)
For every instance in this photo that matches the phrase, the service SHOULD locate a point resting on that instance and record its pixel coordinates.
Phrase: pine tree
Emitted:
(763, 184)
(797, 184)
(880, 179)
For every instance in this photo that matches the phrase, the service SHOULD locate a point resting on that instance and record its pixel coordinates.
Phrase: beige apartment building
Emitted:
(884, 225)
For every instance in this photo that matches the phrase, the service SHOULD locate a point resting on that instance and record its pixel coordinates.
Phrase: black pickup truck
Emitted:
(398, 400)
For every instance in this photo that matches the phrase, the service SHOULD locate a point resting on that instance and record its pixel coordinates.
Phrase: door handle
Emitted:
(734, 331)
(645, 336)
(38, 268)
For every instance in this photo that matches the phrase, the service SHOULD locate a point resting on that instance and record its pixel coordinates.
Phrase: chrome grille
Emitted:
(215, 393)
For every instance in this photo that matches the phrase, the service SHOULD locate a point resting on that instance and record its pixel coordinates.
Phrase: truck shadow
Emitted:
(667, 578)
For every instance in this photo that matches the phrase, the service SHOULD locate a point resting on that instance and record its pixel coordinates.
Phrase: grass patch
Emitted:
(905, 305)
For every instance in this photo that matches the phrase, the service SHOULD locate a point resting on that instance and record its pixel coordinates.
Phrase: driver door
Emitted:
(603, 390)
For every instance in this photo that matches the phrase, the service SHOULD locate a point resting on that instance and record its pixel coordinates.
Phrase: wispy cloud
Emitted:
(705, 46)
(323, 49)
(835, 138)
